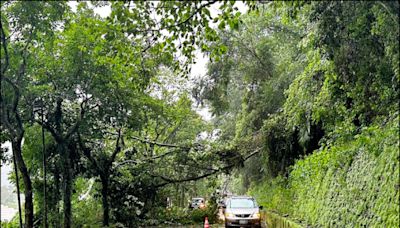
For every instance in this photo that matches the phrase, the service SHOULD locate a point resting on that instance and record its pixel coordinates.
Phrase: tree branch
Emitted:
(125, 162)
(215, 171)
(17, 95)
(117, 148)
(75, 127)
(146, 159)
(172, 133)
(4, 45)
(87, 152)
(159, 143)
(4, 120)
(47, 126)
(195, 12)
(179, 23)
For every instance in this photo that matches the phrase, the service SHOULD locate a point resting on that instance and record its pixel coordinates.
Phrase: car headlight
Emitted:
(256, 215)
(229, 215)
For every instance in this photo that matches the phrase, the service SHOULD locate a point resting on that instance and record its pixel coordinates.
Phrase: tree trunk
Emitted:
(104, 194)
(18, 191)
(44, 174)
(27, 183)
(57, 198)
(67, 173)
(183, 196)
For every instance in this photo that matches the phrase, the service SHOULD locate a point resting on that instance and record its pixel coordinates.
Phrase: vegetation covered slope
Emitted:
(316, 86)
(354, 182)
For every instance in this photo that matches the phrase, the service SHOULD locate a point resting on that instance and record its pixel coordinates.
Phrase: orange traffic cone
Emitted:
(206, 224)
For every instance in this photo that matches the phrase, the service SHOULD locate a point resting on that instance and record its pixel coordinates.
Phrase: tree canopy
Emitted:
(100, 111)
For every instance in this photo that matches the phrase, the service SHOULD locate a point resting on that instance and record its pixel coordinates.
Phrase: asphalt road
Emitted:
(221, 216)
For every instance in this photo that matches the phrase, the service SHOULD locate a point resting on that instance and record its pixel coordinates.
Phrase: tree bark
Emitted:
(104, 194)
(18, 191)
(44, 174)
(62, 142)
(67, 184)
(16, 146)
(57, 198)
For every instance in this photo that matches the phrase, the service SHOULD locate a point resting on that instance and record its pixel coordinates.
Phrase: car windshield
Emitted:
(242, 203)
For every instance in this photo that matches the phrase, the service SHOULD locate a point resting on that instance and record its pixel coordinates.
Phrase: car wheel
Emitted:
(226, 225)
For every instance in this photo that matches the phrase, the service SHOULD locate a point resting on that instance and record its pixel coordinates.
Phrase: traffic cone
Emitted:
(206, 224)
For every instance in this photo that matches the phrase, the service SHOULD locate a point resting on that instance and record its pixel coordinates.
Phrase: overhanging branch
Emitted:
(158, 143)
(196, 11)
(146, 159)
(215, 171)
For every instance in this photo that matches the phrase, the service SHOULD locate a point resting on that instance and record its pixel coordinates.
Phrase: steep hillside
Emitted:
(354, 182)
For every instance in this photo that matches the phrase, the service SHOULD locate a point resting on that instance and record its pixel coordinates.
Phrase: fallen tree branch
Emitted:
(215, 171)
(147, 159)
(159, 143)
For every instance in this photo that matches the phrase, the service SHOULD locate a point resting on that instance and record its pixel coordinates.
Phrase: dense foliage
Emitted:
(103, 95)
(316, 85)
(100, 111)
(353, 182)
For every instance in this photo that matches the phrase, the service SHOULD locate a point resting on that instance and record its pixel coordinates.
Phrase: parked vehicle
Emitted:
(220, 203)
(242, 211)
(197, 202)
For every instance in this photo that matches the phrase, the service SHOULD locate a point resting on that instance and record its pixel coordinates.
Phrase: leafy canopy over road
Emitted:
(93, 85)
(289, 84)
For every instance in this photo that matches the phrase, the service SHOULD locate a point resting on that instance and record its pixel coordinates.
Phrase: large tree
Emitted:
(72, 71)
(20, 34)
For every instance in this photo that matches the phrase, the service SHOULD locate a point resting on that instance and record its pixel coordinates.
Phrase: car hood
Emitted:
(242, 210)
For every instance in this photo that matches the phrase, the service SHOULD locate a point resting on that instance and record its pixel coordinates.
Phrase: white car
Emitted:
(197, 202)
(242, 211)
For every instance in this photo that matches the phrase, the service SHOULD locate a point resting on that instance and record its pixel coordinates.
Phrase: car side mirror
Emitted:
(261, 207)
